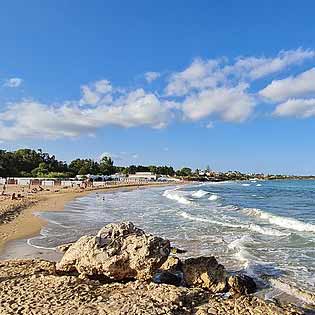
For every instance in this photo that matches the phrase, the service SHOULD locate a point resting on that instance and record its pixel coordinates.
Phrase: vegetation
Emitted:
(32, 163)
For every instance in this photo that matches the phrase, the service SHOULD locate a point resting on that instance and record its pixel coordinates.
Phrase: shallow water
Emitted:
(264, 228)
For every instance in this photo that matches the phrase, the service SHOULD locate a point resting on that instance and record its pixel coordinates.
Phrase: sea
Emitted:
(265, 229)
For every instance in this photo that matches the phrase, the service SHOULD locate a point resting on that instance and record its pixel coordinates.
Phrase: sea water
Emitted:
(265, 229)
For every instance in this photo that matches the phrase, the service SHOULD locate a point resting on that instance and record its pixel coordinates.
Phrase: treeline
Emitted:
(31, 163)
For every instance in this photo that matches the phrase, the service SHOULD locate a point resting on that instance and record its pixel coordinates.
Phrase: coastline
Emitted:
(26, 224)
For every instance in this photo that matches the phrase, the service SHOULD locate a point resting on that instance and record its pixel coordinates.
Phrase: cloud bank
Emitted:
(207, 90)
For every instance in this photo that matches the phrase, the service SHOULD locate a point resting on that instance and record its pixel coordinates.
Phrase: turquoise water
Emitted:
(263, 228)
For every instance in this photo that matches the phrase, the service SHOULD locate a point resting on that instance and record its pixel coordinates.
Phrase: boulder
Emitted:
(118, 251)
(64, 247)
(241, 284)
(172, 264)
(206, 273)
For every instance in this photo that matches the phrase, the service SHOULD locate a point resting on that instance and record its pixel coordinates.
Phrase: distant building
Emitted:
(143, 176)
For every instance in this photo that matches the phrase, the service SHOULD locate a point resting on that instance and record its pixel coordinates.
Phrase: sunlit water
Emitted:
(263, 228)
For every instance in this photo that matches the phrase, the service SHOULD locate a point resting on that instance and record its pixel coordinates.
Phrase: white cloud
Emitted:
(206, 89)
(13, 82)
(136, 108)
(151, 76)
(300, 85)
(199, 75)
(256, 68)
(212, 73)
(210, 125)
(229, 104)
(97, 92)
(300, 108)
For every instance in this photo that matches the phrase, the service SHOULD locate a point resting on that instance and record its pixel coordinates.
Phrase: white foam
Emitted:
(253, 227)
(174, 194)
(199, 193)
(246, 185)
(302, 295)
(284, 222)
(265, 230)
(258, 185)
(213, 197)
(199, 219)
(239, 242)
(29, 242)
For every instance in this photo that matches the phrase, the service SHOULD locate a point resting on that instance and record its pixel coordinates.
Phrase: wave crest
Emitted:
(284, 222)
(175, 194)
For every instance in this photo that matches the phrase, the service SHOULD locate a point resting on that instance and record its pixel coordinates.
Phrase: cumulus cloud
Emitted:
(151, 76)
(207, 89)
(300, 108)
(13, 82)
(212, 73)
(97, 92)
(301, 85)
(200, 74)
(136, 108)
(229, 104)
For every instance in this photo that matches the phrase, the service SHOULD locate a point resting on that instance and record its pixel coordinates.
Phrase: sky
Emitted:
(229, 84)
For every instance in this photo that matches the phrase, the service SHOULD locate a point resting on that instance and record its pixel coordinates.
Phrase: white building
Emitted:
(143, 176)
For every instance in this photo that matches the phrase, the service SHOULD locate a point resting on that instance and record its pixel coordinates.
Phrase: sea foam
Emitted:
(284, 222)
(175, 194)
(199, 193)
(213, 197)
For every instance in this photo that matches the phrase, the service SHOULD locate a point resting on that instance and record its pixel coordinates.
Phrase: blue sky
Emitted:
(230, 84)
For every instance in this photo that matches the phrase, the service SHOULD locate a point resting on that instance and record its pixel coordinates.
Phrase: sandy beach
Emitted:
(26, 224)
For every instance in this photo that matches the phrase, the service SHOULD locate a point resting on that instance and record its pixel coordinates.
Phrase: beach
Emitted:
(24, 223)
(30, 242)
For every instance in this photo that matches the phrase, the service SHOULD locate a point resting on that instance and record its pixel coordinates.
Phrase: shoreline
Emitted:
(27, 224)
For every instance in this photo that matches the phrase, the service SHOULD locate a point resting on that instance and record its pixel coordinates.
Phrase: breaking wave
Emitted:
(284, 222)
(175, 194)
(213, 197)
(252, 227)
(199, 193)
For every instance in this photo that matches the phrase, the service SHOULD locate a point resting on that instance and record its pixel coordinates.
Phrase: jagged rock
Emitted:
(172, 264)
(205, 272)
(64, 247)
(119, 251)
(241, 284)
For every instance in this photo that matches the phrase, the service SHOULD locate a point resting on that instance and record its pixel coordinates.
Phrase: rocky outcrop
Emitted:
(118, 251)
(206, 273)
(172, 264)
(241, 284)
(32, 287)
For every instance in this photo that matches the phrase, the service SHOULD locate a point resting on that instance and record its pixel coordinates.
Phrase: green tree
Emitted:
(107, 166)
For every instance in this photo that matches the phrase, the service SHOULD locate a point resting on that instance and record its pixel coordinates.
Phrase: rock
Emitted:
(168, 278)
(205, 272)
(119, 251)
(241, 284)
(175, 250)
(172, 264)
(64, 247)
